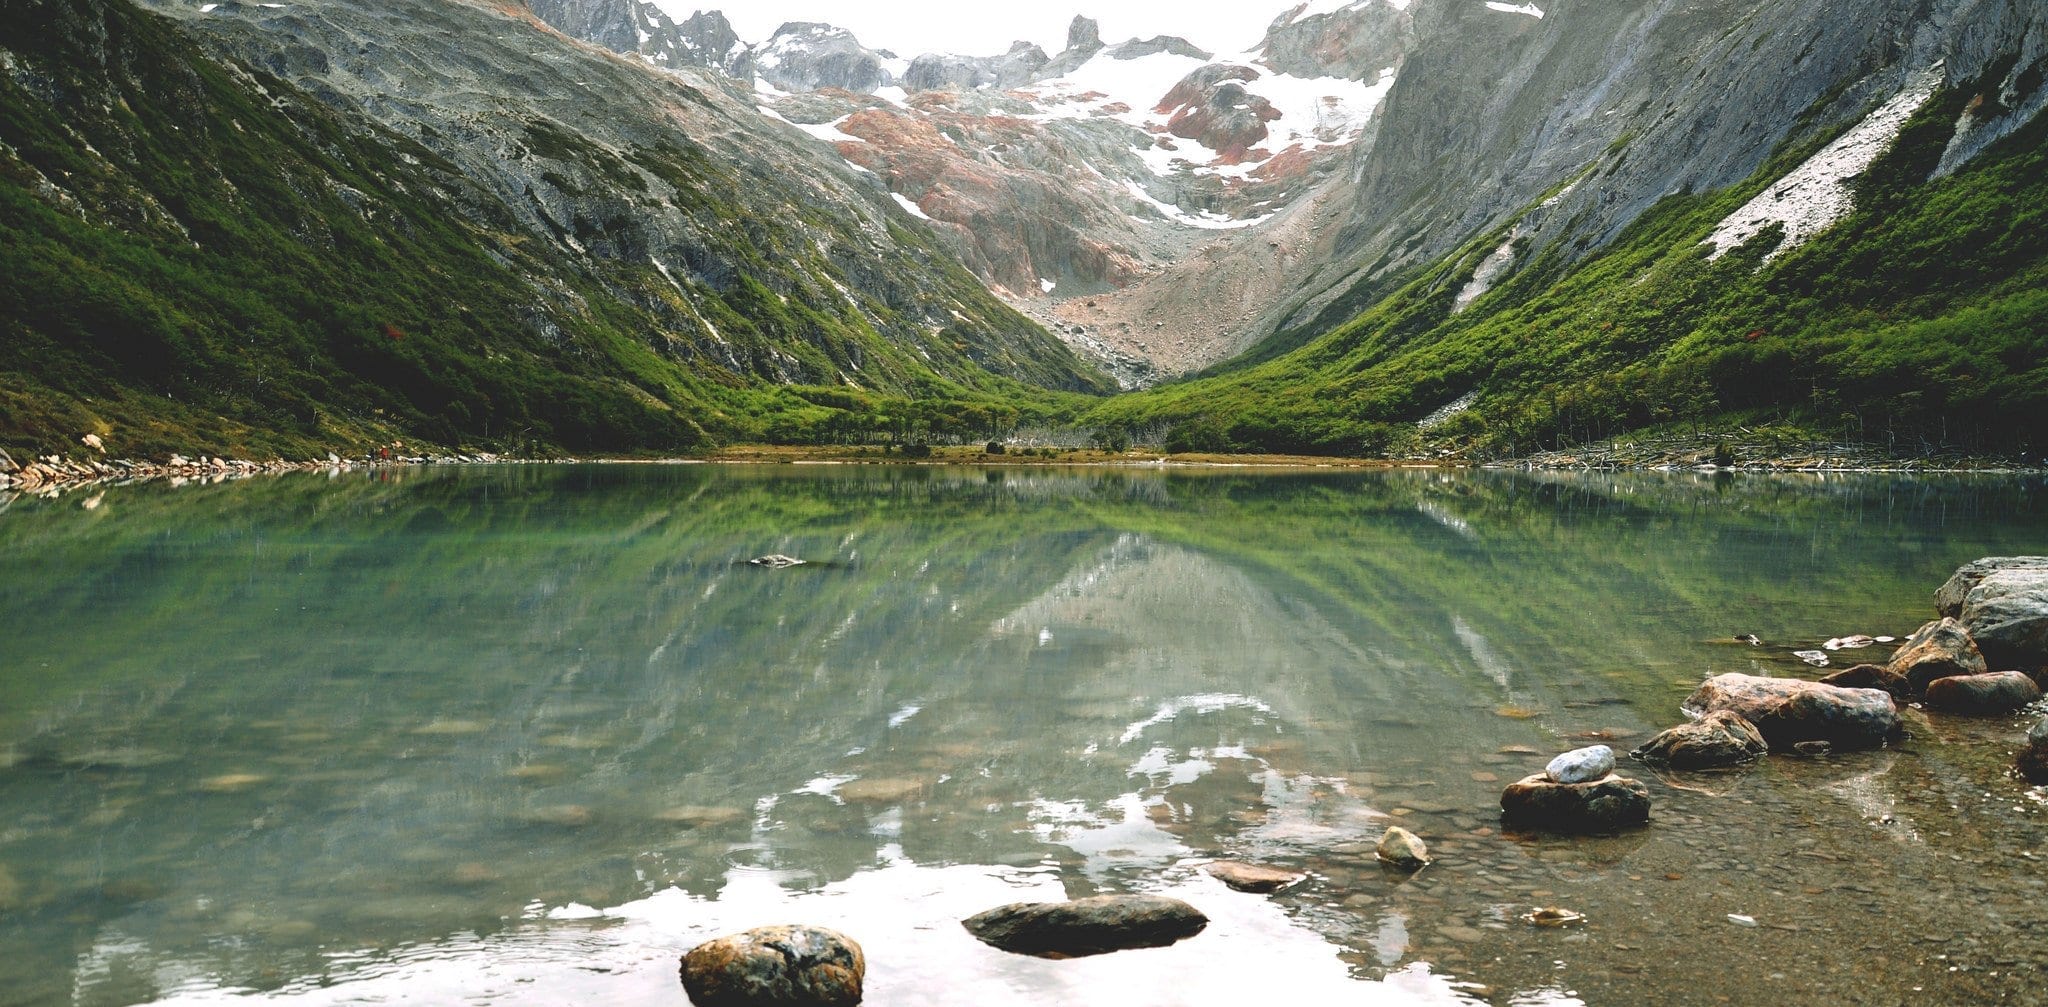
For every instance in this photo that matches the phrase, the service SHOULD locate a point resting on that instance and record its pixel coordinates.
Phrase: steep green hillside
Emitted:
(1922, 319)
(200, 257)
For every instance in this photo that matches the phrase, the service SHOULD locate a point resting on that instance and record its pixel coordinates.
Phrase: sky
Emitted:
(913, 27)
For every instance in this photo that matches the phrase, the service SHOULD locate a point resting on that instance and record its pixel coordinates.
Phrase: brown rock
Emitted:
(2000, 692)
(1721, 738)
(797, 966)
(1252, 877)
(1787, 711)
(1604, 805)
(1937, 650)
(1870, 676)
(1091, 926)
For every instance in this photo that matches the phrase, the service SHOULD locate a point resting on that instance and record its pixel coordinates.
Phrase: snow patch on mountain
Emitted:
(1820, 192)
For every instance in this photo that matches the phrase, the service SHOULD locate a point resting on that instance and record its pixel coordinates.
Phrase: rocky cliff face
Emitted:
(1498, 105)
(748, 248)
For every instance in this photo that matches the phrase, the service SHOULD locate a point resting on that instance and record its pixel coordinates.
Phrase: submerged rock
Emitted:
(1608, 804)
(1252, 877)
(1583, 765)
(2033, 760)
(1998, 692)
(1091, 926)
(1404, 849)
(1721, 738)
(1937, 650)
(797, 966)
(1871, 676)
(1787, 711)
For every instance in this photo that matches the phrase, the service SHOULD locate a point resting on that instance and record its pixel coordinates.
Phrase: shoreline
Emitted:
(53, 474)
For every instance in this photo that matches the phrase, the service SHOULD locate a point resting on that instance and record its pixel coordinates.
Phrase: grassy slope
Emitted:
(200, 259)
(1921, 318)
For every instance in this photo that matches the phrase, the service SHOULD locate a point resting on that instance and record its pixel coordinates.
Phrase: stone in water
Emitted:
(1582, 765)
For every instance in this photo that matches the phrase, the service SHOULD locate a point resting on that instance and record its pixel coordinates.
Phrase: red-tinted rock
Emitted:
(787, 966)
(1787, 711)
(1998, 692)
(1937, 650)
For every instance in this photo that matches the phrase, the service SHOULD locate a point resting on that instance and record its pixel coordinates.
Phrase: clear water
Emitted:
(520, 736)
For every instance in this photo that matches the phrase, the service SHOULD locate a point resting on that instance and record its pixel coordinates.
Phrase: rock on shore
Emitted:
(1937, 650)
(797, 966)
(1091, 926)
(2003, 603)
(1787, 711)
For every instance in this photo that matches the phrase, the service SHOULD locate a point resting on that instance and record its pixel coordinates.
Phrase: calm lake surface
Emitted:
(522, 735)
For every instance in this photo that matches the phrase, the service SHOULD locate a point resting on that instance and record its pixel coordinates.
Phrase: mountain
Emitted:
(1792, 216)
(244, 227)
(1410, 226)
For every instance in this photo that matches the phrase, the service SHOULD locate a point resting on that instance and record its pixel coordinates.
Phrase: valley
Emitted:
(1386, 228)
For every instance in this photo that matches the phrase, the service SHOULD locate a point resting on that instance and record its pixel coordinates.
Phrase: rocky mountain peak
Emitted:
(1141, 48)
(1084, 33)
(808, 55)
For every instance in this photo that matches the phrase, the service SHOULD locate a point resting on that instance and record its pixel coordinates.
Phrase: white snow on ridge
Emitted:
(1315, 112)
(1817, 194)
(910, 206)
(1507, 8)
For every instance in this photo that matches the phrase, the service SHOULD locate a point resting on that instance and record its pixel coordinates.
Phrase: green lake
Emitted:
(521, 735)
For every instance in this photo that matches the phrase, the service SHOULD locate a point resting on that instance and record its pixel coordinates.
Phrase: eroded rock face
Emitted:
(797, 966)
(1090, 926)
(1937, 650)
(1609, 804)
(1788, 711)
(1998, 692)
(1721, 738)
(807, 55)
(932, 71)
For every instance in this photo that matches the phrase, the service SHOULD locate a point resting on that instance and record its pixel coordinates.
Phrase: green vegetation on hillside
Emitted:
(200, 258)
(1921, 320)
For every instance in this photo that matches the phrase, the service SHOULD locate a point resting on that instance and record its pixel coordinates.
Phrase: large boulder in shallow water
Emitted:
(1998, 692)
(1091, 926)
(1721, 738)
(1937, 650)
(2007, 614)
(1949, 600)
(793, 966)
(1787, 711)
(1609, 804)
